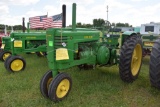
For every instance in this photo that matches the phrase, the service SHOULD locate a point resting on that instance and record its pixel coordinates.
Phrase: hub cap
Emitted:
(17, 65)
(63, 88)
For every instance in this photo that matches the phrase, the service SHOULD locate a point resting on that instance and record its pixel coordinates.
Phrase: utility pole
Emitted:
(107, 12)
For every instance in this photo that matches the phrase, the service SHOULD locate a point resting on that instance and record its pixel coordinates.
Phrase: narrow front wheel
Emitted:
(60, 87)
(15, 64)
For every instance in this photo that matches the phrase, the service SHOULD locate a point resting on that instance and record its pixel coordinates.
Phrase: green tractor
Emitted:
(24, 43)
(68, 47)
(17, 43)
(149, 33)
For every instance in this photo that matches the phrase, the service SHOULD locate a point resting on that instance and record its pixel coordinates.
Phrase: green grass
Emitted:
(101, 87)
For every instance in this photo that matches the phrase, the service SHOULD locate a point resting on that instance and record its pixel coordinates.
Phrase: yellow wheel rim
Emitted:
(17, 65)
(136, 59)
(48, 82)
(63, 88)
(6, 55)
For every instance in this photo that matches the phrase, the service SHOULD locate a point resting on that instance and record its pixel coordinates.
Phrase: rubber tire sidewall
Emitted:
(11, 59)
(154, 65)
(54, 84)
(43, 83)
(126, 53)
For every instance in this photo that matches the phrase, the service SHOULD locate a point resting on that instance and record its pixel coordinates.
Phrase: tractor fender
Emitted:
(126, 34)
(129, 33)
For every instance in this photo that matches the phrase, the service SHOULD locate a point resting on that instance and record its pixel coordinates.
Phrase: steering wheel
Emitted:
(107, 26)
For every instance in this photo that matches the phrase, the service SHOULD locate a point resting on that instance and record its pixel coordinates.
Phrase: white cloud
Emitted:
(78, 2)
(114, 4)
(119, 11)
(139, 0)
(10, 20)
(7, 18)
(52, 10)
(4, 9)
(19, 2)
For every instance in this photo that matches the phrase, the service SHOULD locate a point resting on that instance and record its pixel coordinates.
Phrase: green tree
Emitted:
(98, 22)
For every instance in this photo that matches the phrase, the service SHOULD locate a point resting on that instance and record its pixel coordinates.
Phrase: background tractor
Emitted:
(17, 43)
(149, 32)
(5, 48)
(68, 47)
(0, 42)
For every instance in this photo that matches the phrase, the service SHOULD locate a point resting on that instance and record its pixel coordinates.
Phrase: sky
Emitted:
(134, 12)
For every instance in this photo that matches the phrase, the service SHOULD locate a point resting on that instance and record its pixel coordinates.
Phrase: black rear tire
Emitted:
(130, 56)
(4, 54)
(154, 65)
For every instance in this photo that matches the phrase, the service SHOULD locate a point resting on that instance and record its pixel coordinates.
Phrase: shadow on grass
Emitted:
(146, 60)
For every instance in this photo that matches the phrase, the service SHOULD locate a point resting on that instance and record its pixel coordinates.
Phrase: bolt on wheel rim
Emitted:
(17, 65)
(6, 55)
(136, 59)
(63, 88)
(48, 82)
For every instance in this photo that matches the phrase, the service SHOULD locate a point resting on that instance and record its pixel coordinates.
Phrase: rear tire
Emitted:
(154, 65)
(4, 55)
(130, 58)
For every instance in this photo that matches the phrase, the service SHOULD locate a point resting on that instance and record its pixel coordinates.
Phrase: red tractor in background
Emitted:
(0, 42)
(1, 35)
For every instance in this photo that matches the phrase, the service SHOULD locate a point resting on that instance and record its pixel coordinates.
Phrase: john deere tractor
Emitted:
(68, 47)
(149, 33)
(23, 43)
(17, 43)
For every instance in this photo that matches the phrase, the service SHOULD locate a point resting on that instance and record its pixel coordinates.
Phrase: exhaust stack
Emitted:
(64, 16)
(23, 24)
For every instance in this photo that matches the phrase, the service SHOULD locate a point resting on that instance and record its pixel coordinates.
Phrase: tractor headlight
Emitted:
(108, 35)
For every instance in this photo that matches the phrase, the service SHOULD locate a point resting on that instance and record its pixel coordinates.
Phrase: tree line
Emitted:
(99, 23)
(15, 27)
(96, 23)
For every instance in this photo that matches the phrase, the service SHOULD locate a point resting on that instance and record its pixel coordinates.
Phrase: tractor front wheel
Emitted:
(45, 82)
(154, 65)
(4, 55)
(130, 58)
(15, 64)
(60, 87)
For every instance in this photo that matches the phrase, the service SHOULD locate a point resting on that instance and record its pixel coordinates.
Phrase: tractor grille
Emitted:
(59, 40)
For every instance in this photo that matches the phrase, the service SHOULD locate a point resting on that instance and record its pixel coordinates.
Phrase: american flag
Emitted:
(46, 22)
(54, 21)
(37, 21)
